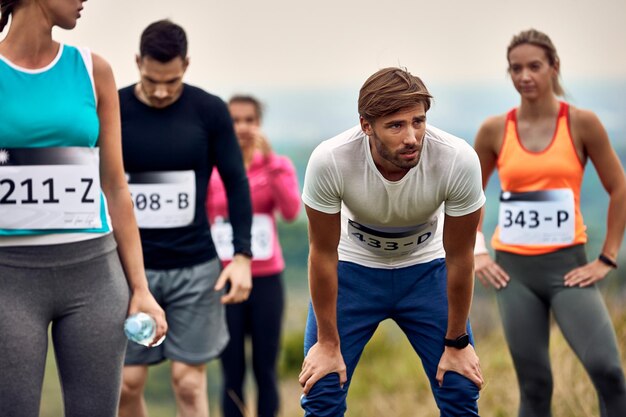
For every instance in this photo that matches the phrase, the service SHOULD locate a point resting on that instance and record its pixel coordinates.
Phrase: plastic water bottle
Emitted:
(141, 328)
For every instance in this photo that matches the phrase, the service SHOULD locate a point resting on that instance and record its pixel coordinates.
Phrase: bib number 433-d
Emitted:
(391, 243)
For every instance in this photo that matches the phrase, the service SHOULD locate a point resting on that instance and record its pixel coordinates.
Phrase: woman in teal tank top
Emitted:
(69, 244)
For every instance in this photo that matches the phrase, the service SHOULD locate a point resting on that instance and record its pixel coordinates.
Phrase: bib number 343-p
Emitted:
(50, 188)
(538, 217)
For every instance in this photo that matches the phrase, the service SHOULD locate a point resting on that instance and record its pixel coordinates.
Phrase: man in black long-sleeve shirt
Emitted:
(173, 135)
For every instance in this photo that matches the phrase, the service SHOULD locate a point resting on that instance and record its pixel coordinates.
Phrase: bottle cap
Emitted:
(132, 326)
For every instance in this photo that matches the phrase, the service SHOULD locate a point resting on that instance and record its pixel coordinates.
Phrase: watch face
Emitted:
(463, 341)
(458, 343)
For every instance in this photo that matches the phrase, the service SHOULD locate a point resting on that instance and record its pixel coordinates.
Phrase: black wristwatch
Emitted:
(607, 261)
(460, 342)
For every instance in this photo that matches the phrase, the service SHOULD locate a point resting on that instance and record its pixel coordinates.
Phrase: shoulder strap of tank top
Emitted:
(85, 54)
(564, 110)
(511, 117)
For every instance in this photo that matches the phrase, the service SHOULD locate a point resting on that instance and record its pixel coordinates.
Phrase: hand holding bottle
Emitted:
(141, 328)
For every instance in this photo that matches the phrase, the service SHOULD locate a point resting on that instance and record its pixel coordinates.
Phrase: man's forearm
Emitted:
(460, 289)
(323, 287)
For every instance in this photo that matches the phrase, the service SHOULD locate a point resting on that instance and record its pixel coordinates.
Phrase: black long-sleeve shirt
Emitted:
(193, 133)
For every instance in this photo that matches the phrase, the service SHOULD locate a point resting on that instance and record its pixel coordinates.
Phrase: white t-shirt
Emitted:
(393, 224)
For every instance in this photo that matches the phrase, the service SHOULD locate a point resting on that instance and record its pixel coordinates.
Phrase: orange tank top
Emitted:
(540, 200)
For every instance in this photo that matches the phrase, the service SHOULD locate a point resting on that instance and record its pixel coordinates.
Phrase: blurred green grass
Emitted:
(389, 379)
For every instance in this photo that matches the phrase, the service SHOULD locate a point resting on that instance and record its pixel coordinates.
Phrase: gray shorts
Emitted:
(195, 316)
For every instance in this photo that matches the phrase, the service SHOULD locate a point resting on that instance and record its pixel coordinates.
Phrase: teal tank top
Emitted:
(54, 106)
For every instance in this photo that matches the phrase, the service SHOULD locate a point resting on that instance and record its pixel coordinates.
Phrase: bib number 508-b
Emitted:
(163, 199)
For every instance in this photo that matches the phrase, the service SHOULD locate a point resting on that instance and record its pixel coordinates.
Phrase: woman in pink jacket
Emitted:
(274, 188)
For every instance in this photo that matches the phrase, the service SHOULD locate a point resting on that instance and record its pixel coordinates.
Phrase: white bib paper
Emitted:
(537, 218)
(390, 243)
(50, 188)
(262, 238)
(163, 199)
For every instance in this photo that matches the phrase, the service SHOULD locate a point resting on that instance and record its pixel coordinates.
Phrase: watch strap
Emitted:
(607, 261)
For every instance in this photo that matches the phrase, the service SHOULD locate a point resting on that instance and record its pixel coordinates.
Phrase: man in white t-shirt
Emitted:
(393, 206)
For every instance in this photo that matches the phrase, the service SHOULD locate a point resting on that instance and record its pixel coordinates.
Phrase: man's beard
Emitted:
(394, 157)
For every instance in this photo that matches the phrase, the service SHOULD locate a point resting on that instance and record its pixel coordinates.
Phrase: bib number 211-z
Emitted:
(50, 188)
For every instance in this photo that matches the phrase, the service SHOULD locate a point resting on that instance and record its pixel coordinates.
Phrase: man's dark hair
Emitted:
(163, 40)
(390, 90)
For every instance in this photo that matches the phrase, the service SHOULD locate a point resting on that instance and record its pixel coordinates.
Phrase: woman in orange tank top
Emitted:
(540, 150)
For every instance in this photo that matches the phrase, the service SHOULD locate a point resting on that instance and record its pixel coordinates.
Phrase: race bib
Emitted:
(538, 217)
(50, 188)
(262, 238)
(163, 199)
(389, 243)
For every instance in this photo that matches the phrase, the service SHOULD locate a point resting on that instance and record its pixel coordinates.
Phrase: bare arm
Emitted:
(325, 356)
(587, 127)
(458, 242)
(458, 239)
(487, 146)
(119, 202)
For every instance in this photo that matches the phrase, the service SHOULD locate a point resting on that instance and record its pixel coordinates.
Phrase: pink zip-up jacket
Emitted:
(273, 188)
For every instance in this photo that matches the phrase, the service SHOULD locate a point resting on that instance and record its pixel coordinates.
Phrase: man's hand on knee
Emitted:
(463, 361)
(321, 360)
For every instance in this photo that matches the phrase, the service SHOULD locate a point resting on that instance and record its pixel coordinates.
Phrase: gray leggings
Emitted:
(80, 288)
(535, 289)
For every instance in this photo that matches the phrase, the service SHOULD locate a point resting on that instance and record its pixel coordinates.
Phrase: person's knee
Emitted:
(233, 378)
(536, 386)
(608, 377)
(189, 383)
(457, 396)
(326, 398)
(535, 393)
(264, 373)
(133, 383)
(131, 389)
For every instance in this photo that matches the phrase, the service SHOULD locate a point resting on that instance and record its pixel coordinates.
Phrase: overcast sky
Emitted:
(295, 44)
